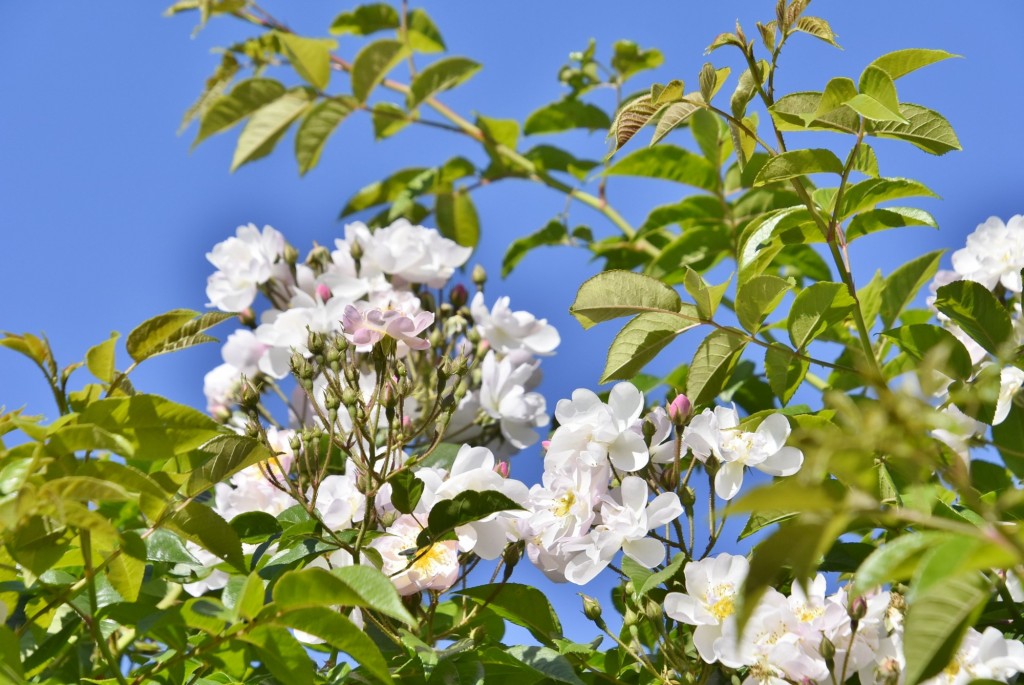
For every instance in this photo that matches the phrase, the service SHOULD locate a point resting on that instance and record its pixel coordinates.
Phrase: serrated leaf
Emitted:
(757, 298)
(712, 363)
(922, 340)
(639, 342)
(554, 233)
(521, 604)
(406, 490)
(466, 507)
(903, 284)
(174, 330)
(547, 662)
(790, 110)
(700, 247)
(746, 88)
(205, 527)
(317, 126)
(817, 27)
(245, 98)
(226, 455)
(924, 129)
(837, 93)
(422, 33)
(366, 19)
(373, 63)
(354, 586)
(978, 312)
(706, 297)
(267, 124)
(566, 115)
(872, 191)
(381, 192)
(457, 218)
(763, 230)
(612, 294)
(936, 622)
(310, 57)
(631, 117)
(629, 58)
(669, 163)
(340, 633)
(389, 119)
(280, 653)
(673, 116)
(442, 75)
(158, 428)
(902, 62)
(101, 358)
(876, 84)
(798, 163)
(785, 371)
(815, 309)
(883, 219)
(865, 161)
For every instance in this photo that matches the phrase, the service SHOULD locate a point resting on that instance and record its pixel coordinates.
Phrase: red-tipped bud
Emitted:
(323, 292)
(501, 468)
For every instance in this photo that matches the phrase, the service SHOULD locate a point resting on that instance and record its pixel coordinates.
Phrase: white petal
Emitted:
(628, 452)
(664, 509)
(729, 479)
(785, 462)
(626, 402)
(774, 429)
(634, 493)
(647, 552)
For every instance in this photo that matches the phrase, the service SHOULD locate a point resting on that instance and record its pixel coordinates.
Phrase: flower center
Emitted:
(806, 614)
(723, 608)
(564, 504)
(431, 560)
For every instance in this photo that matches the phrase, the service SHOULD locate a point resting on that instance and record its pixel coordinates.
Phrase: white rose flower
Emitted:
(412, 254)
(504, 397)
(591, 432)
(508, 331)
(994, 254)
(243, 263)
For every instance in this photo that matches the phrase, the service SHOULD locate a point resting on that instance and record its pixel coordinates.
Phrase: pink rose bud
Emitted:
(501, 468)
(247, 317)
(459, 296)
(545, 444)
(679, 409)
(323, 292)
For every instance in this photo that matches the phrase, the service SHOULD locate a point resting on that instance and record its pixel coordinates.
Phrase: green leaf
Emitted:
(1008, 437)
(554, 233)
(281, 653)
(351, 586)
(706, 297)
(521, 604)
(381, 192)
(712, 363)
(865, 161)
(815, 309)
(628, 58)
(310, 57)
(228, 454)
(612, 294)
(366, 19)
(902, 285)
(878, 99)
(268, 124)
(925, 340)
(499, 131)
(978, 312)
(785, 371)
(175, 330)
(255, 526)
(566, 115)
(83, 437)
(936, 622)
(924, 129)
(163, 545)
(372, 65)
(466, 507)
(669, 163)
(817, 27)
(798, 163)
(699, 247)
(690, 211)
(837, 93)
(789, 113)
(422, 33)
(631, 117)
(158, 428)
(550, 158)
(674, 116)
(442, 75)
(757, 298)
(388, 119)
(883, 219)
(406, 490)
(760, 520)
(340, 633)
(205, 527)
(547, 662)
(100, 358)
(639, 342)
(762, 232)
(317, 126)
(747, 88)
(457, 218)
(902, 62)
(251, 597)
(245, 98)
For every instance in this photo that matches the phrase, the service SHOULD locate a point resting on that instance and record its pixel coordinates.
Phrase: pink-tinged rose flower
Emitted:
(366, 327)
(679, 409)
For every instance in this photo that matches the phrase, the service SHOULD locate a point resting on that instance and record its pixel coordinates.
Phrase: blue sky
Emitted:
(105, 215)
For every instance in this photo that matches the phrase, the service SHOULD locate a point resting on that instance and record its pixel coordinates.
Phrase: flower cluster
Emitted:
(810, 637)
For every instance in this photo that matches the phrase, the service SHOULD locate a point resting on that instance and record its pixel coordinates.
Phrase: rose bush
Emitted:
(349, 509)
